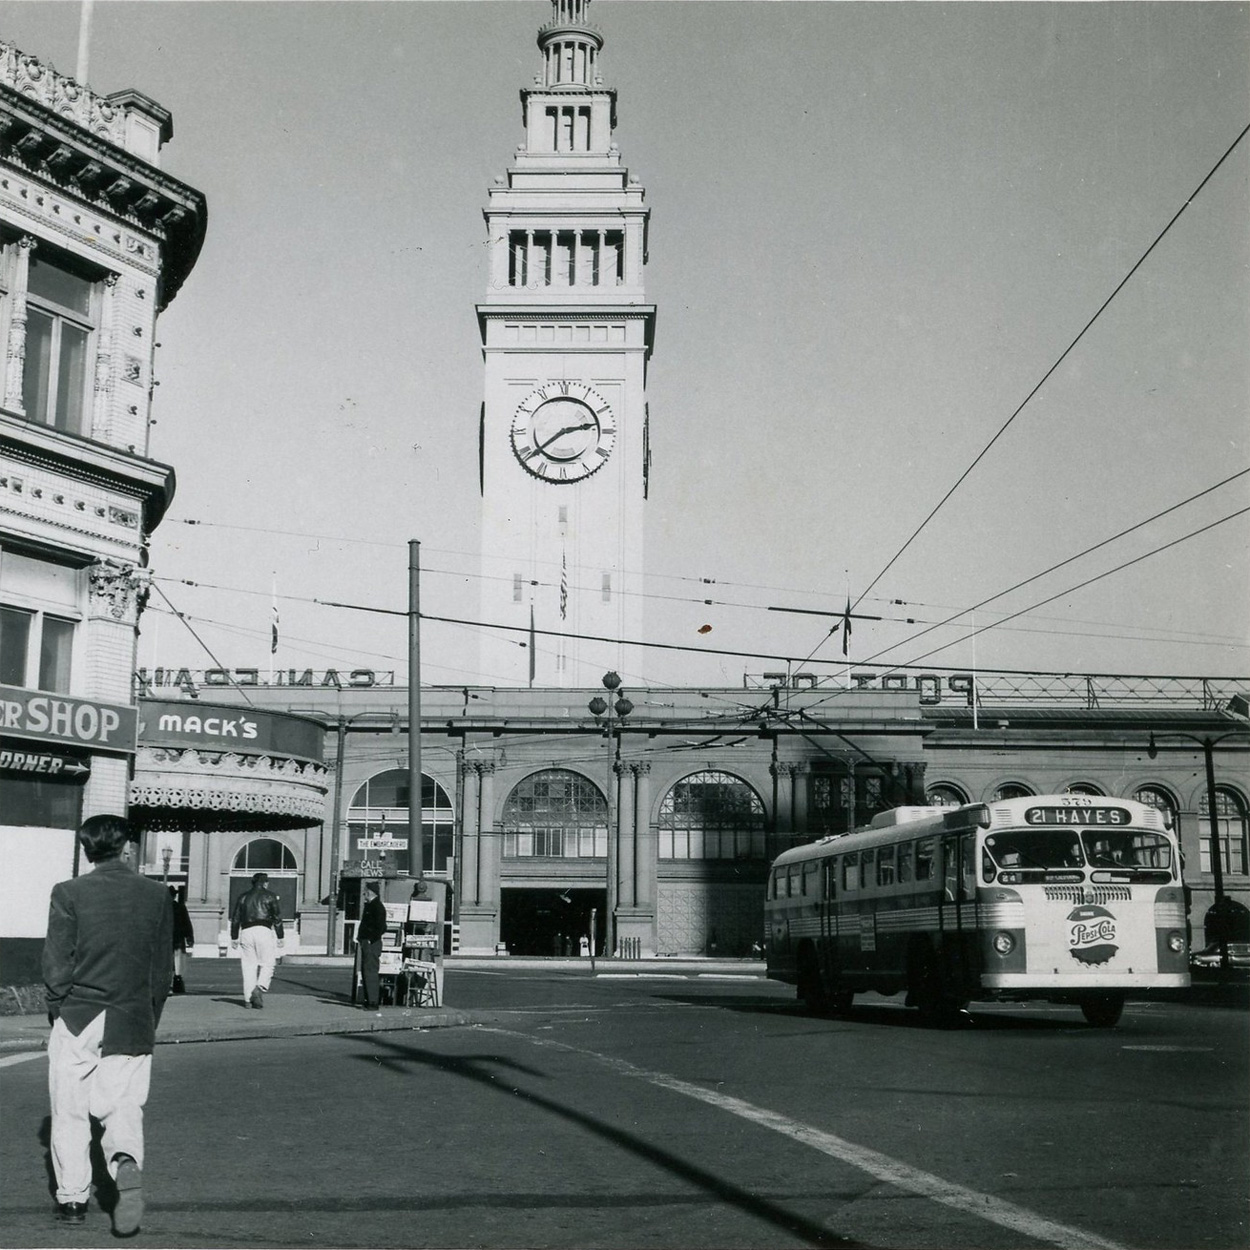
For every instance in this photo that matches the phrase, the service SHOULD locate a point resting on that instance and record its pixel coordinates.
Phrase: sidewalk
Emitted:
(220, 1017)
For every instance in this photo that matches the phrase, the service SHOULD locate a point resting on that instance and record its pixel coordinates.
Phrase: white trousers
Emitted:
(258, 951)
(83, 1083)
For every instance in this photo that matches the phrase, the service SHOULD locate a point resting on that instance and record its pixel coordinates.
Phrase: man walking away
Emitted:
(256, 931)
(107, 965)
(184, 938)
(369, 939)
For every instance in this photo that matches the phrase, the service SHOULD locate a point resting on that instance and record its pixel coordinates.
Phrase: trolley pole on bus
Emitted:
(614, 712)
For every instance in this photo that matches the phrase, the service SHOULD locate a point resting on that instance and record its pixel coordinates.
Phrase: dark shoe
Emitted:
(71, 1212)
(128, 1213)
(257, 1000)
(179, 986)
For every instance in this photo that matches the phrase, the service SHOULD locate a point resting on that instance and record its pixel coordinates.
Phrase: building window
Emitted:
(1153, 796)
(711, 815)
(1012, 790)
(1230, 816)
(944, 795)
(555, 814)
(1083, 787)
(379, 813)
(60, 319)
(37, 601)
(264, 855)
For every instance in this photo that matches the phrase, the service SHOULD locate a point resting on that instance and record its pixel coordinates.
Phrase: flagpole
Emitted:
(273, 634)
(974, 672)
(84, 40)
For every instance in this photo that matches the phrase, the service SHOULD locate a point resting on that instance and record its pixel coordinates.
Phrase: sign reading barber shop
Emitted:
(39, 716)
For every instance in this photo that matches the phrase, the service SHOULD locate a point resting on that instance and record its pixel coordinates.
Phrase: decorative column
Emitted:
(783, 802)
(529, 258)
(626, 892)
(798, 790)
(470, 837)
(490, 848)
(101, 413)
(16, 352)
(644, 842)
(579, 276)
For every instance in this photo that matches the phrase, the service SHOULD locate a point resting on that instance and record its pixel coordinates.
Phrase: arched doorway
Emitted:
(712, 866)
(378, 813)
(278, 860)
(555, 843)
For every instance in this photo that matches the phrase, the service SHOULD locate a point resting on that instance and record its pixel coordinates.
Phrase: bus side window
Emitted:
(850, 871)
(885, 865)
(925, 851)
(792, 882)
(904, 862)
(830, 878)
(968, 866)
(809, 880)
(867, 873)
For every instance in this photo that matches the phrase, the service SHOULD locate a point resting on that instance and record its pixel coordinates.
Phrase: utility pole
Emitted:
(416, 867)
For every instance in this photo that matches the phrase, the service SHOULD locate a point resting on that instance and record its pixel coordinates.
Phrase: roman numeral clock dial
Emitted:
(563, 432)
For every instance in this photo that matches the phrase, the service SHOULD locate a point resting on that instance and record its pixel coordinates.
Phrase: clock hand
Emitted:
(568, 429)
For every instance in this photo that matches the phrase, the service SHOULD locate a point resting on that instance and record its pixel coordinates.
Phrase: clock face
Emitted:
(563, 431)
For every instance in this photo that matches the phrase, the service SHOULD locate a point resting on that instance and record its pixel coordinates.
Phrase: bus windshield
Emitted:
(1042, 850)
(1126, 848)
(1022, 849)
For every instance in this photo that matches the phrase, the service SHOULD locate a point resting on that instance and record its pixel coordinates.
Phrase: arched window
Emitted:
(378, 818)
(264, 855)
(1012, 790)
(943, 795)
(1230, 816)
(1083, 787)
(556, 813)
(1153, 796)
(711, 815)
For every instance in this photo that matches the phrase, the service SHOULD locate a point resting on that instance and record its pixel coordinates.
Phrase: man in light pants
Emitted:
(256, 932)
(107, 964)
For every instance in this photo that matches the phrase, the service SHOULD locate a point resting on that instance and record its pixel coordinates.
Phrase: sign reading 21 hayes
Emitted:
(45, 717)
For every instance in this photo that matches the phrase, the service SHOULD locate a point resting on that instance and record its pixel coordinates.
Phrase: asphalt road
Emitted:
(680, 1112)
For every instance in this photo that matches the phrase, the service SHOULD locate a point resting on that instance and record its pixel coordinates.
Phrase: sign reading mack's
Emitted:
(45, 717)
(230, 727)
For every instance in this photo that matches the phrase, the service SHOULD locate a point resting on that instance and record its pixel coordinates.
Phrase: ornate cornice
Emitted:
(73, 145)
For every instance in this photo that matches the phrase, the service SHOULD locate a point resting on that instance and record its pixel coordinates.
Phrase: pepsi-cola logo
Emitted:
(1092, 935)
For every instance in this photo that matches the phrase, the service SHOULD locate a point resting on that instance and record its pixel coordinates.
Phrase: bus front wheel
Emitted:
(1103, 1011)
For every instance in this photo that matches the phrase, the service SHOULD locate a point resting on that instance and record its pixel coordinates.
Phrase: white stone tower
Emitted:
(566, 335)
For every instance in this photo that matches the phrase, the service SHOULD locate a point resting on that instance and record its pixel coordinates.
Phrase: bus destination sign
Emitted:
(1077, 816)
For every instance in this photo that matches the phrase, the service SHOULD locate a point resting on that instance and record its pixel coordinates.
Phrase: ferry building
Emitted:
(557, 803)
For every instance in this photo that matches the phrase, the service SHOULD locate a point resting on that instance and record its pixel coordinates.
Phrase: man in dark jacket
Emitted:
(256, 932)
(369, 939)
(107, 964)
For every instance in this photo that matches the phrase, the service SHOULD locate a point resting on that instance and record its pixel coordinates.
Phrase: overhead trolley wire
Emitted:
(1062, 357)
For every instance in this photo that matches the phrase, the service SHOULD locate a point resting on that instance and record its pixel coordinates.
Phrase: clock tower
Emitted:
(566, 335)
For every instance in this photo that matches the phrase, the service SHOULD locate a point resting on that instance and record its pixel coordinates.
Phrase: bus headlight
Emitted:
(1176, 942)
(1004, 943)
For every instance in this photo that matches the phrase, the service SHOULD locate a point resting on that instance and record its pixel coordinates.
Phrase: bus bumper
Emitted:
(1040, 986)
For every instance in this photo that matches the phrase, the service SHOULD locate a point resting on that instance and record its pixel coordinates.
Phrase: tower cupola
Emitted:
(570, 48)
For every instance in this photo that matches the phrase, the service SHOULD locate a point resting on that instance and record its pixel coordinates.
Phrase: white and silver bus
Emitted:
(1069, 898)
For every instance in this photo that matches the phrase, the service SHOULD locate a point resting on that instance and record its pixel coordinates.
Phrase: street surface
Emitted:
(677, 1111)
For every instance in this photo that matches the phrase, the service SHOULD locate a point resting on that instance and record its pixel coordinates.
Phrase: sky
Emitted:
(876, 230)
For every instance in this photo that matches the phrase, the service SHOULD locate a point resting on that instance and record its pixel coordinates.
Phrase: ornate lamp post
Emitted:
(613, 713)
(1208, 745)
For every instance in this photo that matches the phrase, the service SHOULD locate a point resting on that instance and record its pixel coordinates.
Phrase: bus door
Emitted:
(958, 919)
(828, 917)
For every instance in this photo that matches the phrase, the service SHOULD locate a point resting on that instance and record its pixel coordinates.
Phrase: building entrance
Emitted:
(549, 921)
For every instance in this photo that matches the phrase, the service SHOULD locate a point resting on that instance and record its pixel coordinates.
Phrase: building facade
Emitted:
(566, 336)
(95, 240)
(655, 826)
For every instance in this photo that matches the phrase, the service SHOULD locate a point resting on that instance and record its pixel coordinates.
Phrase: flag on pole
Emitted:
(533, 657)
(273, 634)
(846, 627)
(564, 585)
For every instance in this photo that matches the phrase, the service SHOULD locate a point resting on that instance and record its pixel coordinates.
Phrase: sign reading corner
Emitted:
(43, 717)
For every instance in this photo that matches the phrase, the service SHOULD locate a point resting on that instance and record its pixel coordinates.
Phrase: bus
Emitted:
(1065, 897)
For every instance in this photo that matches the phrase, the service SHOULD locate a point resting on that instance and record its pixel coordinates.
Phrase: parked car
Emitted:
(1209, 956)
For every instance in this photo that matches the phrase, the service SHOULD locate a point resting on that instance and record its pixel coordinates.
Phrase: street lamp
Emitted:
(614, 712)
(1208, 745)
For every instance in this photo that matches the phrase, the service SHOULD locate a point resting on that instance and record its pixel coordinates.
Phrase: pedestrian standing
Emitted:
(184, 938)
(373, 925)
(107, 963)
(256, 932)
